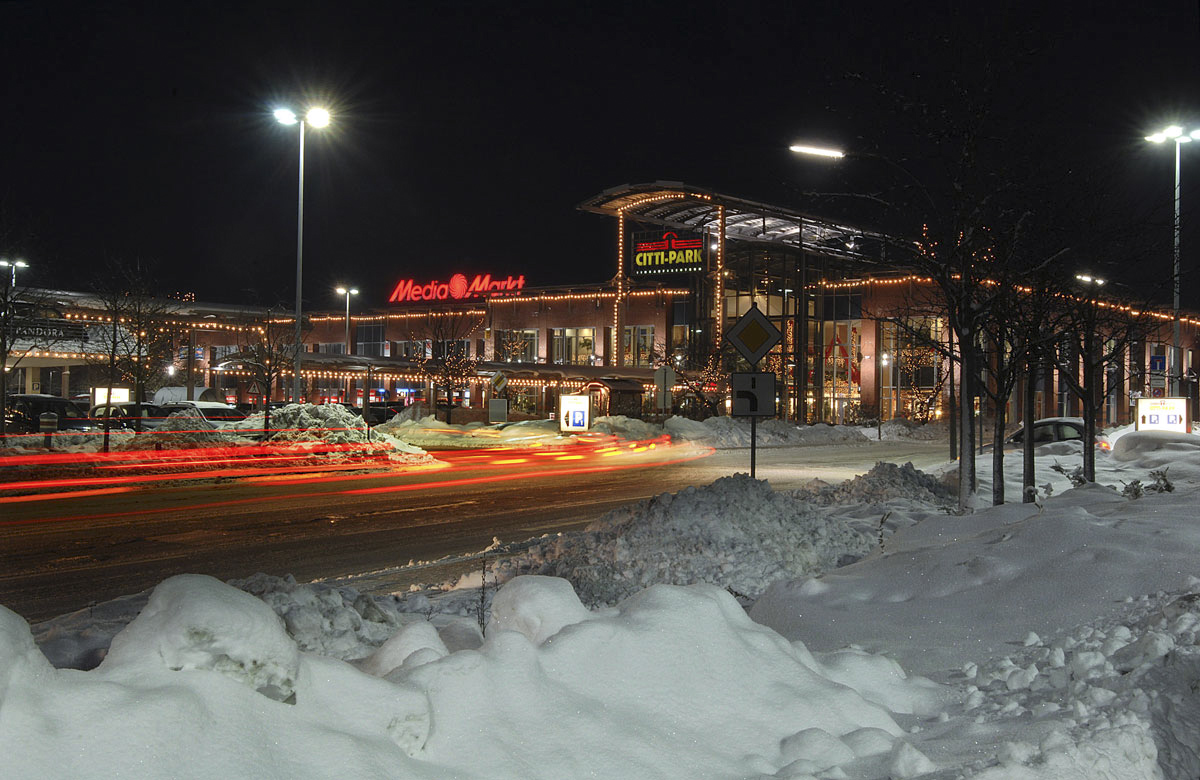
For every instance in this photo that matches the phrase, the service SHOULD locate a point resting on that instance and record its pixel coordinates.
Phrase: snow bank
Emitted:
(328, 424)
(736, 533)
(729, 432)
(671, 683)
(183, 430)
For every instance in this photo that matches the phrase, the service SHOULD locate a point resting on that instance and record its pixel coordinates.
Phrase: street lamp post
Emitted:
(316, 117)
(348, 291)
(13, 265)
(6, 319)
(1177, 134)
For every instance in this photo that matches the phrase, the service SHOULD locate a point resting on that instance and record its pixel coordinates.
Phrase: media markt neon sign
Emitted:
(458, 288)
(656, 253)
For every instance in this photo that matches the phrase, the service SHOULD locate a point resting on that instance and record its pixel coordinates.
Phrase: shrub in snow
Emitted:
(193, 621)
(737, 533)
(1075, 475)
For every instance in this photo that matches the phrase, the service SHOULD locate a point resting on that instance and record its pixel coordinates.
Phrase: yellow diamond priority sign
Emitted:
(753, 335)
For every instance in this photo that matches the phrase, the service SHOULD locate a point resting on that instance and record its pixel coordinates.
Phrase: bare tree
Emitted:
(266, 351)
(136, 348)
(704, 378)
(447, 363)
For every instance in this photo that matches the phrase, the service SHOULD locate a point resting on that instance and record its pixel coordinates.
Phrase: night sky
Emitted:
(466, 133)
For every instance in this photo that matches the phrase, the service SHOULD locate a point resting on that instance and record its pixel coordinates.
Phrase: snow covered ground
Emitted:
(1048, 640)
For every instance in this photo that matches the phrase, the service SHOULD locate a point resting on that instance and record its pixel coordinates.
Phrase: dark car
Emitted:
(126, 414)
(24, 412)
(1054, 429)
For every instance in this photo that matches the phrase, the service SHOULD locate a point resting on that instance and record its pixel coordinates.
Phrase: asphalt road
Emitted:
(61, 555)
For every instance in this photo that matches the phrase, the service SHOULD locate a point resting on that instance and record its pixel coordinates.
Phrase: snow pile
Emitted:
(431, 433)
(903, 428)
(182, 430)
(325, 423)
(728, 432)
(627, 428)
(736, 533)
(884, 484)
(1123, 686)
(342, 623)
(672, 683)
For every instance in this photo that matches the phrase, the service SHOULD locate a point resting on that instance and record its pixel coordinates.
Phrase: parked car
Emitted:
(1054, 429)
(214, 413)
(25, 409)
(126, 413)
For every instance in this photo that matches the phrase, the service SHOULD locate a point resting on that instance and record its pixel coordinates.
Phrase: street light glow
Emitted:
(317, 117)
(816, 150)
(285, 116)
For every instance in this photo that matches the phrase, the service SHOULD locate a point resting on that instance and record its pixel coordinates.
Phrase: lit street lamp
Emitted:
(1177, 134)
(316, 117)
(13, 265)
(348, 292)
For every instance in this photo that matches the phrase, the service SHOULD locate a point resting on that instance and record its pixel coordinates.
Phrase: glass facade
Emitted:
(572, 346)
(369, 340)
(912, 368)
(639, 344)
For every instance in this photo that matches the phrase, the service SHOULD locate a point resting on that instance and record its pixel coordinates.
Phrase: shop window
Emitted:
(911, 368)
(332, 348)
(573, 346)
(639, 344)
(410, 350)
(222, 351)
(516, 346)
(451, 348)
(369, 341)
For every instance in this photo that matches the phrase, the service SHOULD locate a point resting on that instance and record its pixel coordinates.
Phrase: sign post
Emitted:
(664, 380)
(753, 336)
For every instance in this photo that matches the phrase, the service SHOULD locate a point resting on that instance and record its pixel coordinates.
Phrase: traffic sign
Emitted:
(499, 381)
(753, 335)
(753, 394)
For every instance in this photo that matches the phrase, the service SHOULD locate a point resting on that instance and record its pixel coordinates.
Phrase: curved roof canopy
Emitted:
(675, 204)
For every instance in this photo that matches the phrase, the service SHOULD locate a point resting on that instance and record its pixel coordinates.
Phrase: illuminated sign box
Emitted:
(574, 413)
(669, 252)
(1163, 414)
(120, 395)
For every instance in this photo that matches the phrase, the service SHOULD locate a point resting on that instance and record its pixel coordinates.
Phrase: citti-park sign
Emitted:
(458, 288)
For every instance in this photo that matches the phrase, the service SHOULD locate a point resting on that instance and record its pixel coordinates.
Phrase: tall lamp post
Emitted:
(348, 291)
(13, 265)
(6, 319)
(1176, 134)
(315, 117)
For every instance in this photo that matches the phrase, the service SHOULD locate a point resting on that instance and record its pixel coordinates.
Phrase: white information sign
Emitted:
(1163, 414)
(574, 413)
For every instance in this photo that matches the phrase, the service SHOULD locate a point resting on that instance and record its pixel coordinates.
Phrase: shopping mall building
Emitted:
(687, 264)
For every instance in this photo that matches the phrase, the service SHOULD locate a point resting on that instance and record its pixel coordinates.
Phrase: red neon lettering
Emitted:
(407, 290)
